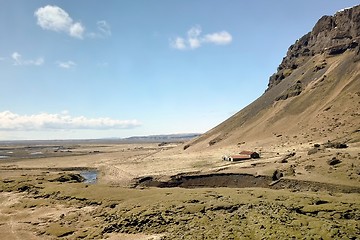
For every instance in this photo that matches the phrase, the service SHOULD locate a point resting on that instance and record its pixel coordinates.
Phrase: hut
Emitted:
(250, 154)
(244, 155)
(235, 158)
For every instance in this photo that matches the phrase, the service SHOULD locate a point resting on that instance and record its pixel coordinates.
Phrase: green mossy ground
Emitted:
(218, 213)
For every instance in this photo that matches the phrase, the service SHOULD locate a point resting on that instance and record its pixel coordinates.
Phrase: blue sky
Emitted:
(95, 69)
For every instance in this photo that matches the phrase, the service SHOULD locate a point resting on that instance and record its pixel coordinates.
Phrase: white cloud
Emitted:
(63, 121)
(67, 65)
(194, 32)
(18, 60)
(77, 30)
(195, 39)
(194, 43)
(220, 38)
(56, 19)
(178, 43)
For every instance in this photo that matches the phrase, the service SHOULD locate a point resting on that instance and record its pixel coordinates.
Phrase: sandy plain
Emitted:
(147, 191)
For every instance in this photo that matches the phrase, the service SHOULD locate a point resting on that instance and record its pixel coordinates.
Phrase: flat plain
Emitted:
(161, 191)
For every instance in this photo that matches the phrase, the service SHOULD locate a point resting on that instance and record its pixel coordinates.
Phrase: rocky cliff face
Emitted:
(331, 35)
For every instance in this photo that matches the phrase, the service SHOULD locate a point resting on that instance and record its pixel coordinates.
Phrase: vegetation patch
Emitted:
(93, 211)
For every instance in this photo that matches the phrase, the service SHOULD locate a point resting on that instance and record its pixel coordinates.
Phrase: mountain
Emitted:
(313, 97)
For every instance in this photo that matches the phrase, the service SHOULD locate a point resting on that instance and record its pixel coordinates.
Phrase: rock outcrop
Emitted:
(331, 35)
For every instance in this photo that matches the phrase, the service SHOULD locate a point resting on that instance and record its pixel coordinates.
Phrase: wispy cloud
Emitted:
(61, 121)
(195, 39)
(56, 19)
(103, 30)
(18, 60)
(66, 65)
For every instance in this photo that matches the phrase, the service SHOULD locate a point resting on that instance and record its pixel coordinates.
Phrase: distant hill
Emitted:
(313, 96)
(163, 138)
(169, 138)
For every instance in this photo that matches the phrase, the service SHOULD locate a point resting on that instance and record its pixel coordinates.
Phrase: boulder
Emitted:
(333, 161)
(277, 175)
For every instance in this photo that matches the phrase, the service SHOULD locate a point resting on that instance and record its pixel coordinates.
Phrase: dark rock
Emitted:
(331, 35)
(335, 145)
(327, 109)
(341, 145)
(294, 66)
(24, 188)
(215, 140)
(8, 181)
(286, 157)
(113, 205)
(319, 67)
(277, 175)
(335, 50)
(333, 161)
(162, 144)
(145, 179)
(66, 233)
(293, 91)
(69, 177)
(319, 202)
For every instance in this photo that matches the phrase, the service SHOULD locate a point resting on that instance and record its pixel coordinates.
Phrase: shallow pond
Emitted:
(90, 176)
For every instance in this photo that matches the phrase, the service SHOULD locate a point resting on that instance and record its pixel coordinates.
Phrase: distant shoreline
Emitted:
(135, 139)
